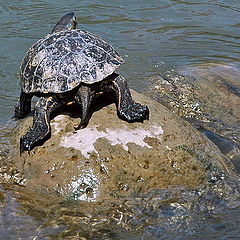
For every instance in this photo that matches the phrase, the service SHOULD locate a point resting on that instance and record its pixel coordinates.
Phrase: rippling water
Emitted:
(149, 35)
(146, 33)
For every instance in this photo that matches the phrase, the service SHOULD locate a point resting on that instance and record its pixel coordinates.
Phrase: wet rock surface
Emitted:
(112, 158)
(208, 97)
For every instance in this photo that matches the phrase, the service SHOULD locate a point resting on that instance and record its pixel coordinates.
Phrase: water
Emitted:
(146, 33)
(149, 35)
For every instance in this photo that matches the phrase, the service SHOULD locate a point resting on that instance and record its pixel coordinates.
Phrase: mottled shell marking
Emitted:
(61, 61)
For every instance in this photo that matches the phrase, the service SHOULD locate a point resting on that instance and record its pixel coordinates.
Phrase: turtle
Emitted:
(70, 65)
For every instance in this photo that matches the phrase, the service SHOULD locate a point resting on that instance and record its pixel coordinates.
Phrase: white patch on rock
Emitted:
(57, 123)
(84, 139)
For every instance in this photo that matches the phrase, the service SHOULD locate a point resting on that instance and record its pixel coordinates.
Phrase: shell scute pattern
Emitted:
(69, 66)
(61, 61)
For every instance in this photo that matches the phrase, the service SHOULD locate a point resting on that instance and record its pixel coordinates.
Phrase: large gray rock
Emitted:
(112, 158)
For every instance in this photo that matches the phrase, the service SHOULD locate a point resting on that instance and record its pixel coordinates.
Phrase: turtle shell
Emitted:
(63, 60)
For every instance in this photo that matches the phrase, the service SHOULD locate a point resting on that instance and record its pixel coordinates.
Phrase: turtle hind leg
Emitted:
(128, 110)
(23, 106)
(84, 99)
(40, 129)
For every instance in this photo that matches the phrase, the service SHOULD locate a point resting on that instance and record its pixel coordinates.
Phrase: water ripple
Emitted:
(177, 32)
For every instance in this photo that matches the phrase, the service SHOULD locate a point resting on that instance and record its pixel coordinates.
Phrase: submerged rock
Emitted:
(111, 158)
(208, 96)
(218, 89)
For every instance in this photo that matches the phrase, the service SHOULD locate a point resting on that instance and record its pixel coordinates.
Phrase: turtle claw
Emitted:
(80, 126)
(24, 145)
(77, 128)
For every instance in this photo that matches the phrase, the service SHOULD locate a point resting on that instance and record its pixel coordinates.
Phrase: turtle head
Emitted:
(67, 22)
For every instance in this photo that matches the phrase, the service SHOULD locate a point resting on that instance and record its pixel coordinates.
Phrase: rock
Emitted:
(204, 92)
(112, 158)
(218, 89)
(208, 96)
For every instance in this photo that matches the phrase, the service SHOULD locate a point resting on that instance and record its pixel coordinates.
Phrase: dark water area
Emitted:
(152, 36)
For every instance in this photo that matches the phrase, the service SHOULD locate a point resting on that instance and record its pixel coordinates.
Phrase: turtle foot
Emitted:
(134, 113)
(40, 131)
(23, 106)
(32, 139)
(25, 145)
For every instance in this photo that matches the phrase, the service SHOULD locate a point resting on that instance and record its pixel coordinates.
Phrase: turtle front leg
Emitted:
(128, 110)
(23, 106)
(84, 99)
(40, 129)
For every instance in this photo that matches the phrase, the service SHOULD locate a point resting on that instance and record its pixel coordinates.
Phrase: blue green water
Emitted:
(146, 33)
